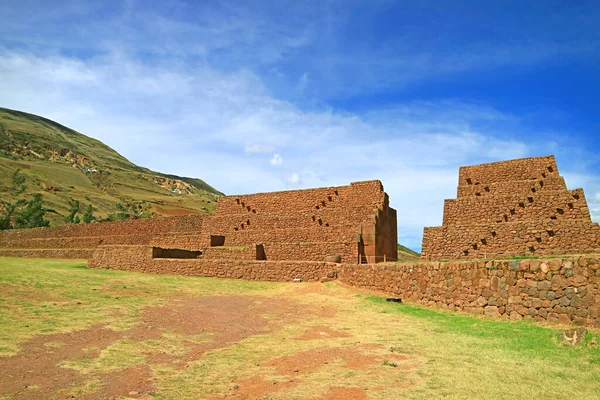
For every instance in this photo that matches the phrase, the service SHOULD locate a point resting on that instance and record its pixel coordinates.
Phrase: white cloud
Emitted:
(195, 121)
(276, 160)
(258, 148)
(293, 179)
(302, 82)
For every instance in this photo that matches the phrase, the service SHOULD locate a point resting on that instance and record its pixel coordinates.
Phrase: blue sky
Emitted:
(271, 95)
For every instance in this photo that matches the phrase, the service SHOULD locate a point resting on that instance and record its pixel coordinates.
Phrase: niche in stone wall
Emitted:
(217, 240)
(260, 252)
(158, 252)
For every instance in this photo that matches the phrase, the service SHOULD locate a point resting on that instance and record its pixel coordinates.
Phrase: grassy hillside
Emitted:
(61, 164)
(406, 254)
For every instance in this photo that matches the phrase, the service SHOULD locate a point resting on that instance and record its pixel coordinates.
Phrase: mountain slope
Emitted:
(61, 164)
(406, 254)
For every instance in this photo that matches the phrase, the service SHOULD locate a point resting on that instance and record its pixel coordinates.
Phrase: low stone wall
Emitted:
(554, 289)
(564, 290)
(139, 259)
(47, 253)
(149, 226)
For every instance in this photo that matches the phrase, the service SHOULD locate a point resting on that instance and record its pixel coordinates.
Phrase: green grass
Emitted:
(29, 143)
(420, 353)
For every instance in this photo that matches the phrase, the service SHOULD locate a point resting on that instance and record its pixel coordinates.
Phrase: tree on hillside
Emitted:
(7, 213)
(72, 218)
(88, 214)
(18, 181)
(32, 215)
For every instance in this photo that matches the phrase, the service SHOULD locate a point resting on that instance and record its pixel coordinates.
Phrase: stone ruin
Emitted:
(351, 224)
(508, 208)
(512, 208)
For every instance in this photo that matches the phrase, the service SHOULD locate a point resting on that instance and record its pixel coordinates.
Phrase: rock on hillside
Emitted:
(63, 164)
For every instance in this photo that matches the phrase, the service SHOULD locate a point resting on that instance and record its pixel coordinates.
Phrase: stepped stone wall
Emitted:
(353, 222)
(508, 208)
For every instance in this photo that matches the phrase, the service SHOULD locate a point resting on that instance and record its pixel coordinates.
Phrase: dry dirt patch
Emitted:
(35, 372)
(255, 388)
(322, 332)
(342, 393)
(313, 359)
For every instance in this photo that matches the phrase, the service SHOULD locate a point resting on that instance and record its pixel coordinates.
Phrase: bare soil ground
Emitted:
(71, 333)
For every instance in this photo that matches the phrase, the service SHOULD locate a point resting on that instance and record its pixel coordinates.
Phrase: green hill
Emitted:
(406, 254)
(63, 164)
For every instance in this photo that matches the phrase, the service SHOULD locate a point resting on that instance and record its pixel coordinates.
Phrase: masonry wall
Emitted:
(565, 204)
(533, 168)
(139, 259)
(147, 226)
(542, 237)
(313, 251)
(290, 220)
(517, 187)
(308, 225)
(79, 241)
(563, 290)
(515, 207)
(48, 253)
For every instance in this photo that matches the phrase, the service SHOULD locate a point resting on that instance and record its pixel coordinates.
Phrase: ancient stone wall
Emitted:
(523, 187)
(564, 290)
(139, 259)
(79, 241)
(147, 226)
(524, 169)
(545, 205)
(310, 225)
(48, 253)
(516, 207)
(231, 253)
(312, 251)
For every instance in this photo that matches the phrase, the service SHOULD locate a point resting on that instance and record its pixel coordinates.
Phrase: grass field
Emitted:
(92, 334)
